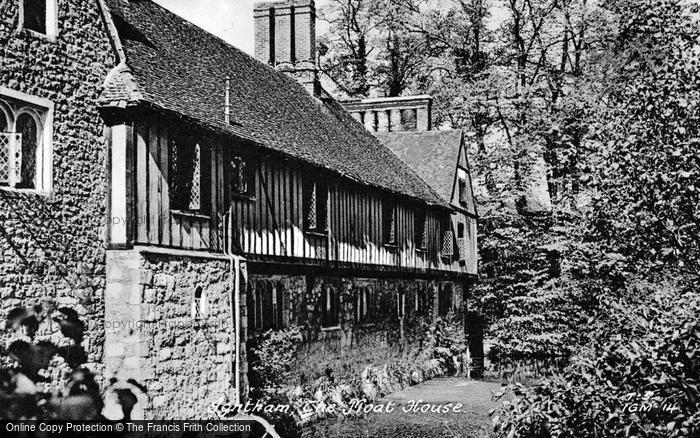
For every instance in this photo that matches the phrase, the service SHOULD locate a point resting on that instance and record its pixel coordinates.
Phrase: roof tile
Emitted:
(181, 68)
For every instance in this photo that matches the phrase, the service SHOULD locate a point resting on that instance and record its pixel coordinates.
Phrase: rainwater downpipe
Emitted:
(235, 272)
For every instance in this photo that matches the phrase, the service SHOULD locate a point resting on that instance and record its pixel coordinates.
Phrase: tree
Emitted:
(386, 47)
(649, 204)
(345, 52)
(637, 375)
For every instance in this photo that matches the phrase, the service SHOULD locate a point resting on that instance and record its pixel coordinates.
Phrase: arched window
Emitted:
(264, 305)
(25, 142)
(421, 300)
(330, 307)
(200, 304)
(10, 148)
(4, 123)
(27, 127)
(401, 303)
(363, 305)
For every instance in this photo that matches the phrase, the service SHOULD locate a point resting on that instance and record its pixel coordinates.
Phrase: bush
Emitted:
(47, 380)
(442, 350)
(273, 354)
(639, 378)
(539, 285)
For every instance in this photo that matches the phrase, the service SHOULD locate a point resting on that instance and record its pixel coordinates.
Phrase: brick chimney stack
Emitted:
(285, 38)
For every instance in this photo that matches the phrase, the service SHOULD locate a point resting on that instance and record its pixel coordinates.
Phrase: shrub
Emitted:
(441, 350)
(538, 285)
(43, 380)
(273, 354)
(639, 377)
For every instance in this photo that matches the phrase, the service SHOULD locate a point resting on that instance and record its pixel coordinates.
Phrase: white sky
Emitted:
(231, 20)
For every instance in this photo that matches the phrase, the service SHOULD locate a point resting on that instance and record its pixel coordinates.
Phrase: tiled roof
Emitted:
(178, 67)
(432, 154)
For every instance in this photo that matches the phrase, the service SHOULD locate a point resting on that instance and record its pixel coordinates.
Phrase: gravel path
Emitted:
(470, 421)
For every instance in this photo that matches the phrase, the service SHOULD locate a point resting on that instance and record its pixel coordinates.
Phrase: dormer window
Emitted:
(39, 16)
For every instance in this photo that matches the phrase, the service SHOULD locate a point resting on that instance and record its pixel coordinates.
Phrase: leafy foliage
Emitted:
(389, 47)
(649, 202)
(442, 350)
(273, 355)
(606, 95)
(639, 378)
(45, 378)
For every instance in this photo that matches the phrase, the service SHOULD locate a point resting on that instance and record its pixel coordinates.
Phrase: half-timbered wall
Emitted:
(268, 221)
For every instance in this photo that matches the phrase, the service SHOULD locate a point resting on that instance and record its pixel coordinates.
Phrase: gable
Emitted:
(463, 173)
(436, 156)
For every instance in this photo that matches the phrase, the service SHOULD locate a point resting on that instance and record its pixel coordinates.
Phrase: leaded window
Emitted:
(22, 150)
(28, 129)
(10, 159)
(315, 205)
(447, 239)
(6, 150)
(185, 173)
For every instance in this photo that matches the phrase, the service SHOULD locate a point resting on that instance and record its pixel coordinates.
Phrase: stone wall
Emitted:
(51, 245)
(385, 337)
(169, 325)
